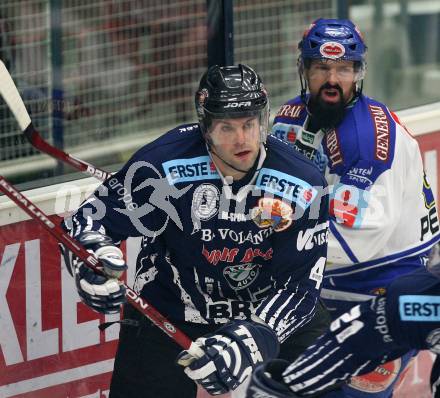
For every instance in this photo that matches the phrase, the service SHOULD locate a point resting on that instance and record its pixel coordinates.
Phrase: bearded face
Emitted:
(331, 85)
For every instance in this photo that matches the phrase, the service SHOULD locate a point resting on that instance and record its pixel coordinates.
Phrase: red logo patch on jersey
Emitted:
(379, 379)
(212, 166)
(291, 136)
(332, 50)
(308, 195)
(343, 211)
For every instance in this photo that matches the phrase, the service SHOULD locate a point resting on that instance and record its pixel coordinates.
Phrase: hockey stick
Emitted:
(92, 262)
(12, 97)
(15, 103)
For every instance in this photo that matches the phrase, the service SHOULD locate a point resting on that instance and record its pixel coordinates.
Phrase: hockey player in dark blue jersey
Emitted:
(370, 334)
(383, 216)
(234, 241)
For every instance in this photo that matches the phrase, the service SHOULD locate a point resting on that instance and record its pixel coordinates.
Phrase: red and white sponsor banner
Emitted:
(50, 344)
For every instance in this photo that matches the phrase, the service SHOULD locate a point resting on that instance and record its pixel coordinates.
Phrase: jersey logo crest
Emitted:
(205, 202)
(242, 275)
(348, 205)
(273, 213)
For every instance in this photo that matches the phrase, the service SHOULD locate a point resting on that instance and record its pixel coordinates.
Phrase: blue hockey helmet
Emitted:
(231, 92)
(333, 39)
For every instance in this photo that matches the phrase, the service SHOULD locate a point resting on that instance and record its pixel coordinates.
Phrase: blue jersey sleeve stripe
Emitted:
(421, 249)
(343, 243)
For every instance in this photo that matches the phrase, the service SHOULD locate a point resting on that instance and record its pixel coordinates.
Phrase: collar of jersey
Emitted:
(228, 181)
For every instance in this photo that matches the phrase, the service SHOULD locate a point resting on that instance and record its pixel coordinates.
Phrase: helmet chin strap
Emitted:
(303, 82)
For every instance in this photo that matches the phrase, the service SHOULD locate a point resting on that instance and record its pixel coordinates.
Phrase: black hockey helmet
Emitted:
(227, 92)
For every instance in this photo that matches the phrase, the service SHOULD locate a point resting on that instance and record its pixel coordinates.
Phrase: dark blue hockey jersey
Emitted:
(215, 250)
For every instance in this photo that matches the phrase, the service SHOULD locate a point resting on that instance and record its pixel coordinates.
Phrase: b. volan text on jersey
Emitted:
(239, 237)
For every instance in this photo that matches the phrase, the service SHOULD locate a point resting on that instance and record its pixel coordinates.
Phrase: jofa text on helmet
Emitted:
(242, 104)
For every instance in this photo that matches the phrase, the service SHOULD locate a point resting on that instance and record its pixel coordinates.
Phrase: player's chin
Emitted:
(240, 165)
(244, 166)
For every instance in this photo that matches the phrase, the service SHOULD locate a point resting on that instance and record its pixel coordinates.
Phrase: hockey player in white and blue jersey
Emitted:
(234, 231)
(383, 218)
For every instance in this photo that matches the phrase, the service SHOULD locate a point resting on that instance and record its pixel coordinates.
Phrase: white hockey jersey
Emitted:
(383, 214)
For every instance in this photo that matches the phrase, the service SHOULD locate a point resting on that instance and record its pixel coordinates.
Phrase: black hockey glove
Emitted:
(102, 293)
(231, 354)
(267, 381)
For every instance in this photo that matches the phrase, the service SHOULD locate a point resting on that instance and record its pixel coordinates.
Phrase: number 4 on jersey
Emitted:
(317, 272)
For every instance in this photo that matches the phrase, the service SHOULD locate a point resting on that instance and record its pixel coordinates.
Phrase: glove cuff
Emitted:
(248, 332)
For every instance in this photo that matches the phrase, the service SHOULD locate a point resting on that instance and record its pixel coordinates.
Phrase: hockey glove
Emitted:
(266, 381)
(103, 293)
(231, 354)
